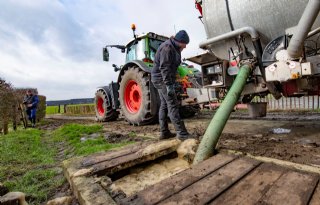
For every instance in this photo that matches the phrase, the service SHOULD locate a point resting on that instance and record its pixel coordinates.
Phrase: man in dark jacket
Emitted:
(31, 101)
(163, 77)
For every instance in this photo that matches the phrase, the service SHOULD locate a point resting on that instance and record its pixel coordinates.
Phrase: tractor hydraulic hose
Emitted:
(213, 132)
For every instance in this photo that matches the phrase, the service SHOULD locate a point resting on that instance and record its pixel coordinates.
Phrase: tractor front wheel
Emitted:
(135, 98)
(103, 105)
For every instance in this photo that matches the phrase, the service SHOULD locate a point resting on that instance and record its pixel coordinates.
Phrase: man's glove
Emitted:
(170, 90)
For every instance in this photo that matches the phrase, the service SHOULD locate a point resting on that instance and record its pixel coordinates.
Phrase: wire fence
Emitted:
(293, 103)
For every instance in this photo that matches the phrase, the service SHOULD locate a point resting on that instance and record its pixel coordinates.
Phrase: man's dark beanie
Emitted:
(182, 37)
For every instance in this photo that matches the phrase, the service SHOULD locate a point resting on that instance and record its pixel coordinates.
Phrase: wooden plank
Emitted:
(211, 186)
(315, 200)
(102, 157)
(90, 193)
(149, 153)
(174, 184)
(292, 188)
(23, 115)
(250, 189)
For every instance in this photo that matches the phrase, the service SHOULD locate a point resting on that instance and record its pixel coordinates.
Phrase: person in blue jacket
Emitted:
(31, 101)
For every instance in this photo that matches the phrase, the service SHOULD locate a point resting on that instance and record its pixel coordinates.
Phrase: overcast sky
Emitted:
(56, 46)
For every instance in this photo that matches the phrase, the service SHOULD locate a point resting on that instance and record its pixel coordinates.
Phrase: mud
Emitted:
(253, 136)
(301, 145)
(54, 123)
(241, 133)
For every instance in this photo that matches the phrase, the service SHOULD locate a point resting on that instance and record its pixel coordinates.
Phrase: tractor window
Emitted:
(136, 51)
(154, 45)
(131, 52)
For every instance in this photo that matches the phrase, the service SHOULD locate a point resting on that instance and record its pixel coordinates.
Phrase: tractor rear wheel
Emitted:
(103, 105)
(135, 98)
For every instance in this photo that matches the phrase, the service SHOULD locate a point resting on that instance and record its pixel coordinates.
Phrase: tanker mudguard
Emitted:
(107, 91)
(138, 63)
(112, 94)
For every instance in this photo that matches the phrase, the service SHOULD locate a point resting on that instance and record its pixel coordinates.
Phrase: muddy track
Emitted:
(242, 133)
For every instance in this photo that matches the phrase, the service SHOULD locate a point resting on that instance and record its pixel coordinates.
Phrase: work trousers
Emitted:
(169, 107)
(32, 115)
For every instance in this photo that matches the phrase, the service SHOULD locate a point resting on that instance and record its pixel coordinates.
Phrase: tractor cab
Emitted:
(144, 47)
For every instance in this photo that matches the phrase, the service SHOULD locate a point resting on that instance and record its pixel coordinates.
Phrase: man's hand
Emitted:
(29, 105)
(170, 90)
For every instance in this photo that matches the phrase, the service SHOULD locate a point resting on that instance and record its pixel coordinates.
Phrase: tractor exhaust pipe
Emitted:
(304, 26)
(214, 130)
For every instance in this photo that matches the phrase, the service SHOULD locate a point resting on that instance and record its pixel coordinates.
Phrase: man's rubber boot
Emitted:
(186, 136)
(181, 129)
(166, 135)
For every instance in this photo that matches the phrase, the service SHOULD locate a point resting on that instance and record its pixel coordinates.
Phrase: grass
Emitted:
(77, 109)
(27, 165)
(77, 105)
(72, 133)
(29, 159)
(50, 110)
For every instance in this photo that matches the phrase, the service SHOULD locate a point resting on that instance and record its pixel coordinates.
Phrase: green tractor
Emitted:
(133, 96)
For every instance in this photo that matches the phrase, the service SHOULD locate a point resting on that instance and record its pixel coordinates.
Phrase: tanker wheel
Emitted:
(103, 106)
(135, 98)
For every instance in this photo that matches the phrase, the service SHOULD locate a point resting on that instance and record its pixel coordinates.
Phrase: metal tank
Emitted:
(270, 18)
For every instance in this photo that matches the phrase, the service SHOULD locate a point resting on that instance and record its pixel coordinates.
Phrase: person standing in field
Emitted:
(31, 101)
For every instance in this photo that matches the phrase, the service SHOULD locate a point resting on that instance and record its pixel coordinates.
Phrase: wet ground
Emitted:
(290, 136)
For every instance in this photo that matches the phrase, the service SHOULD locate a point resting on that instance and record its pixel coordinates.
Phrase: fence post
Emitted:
(312, 102)
(290, 103)
(299, 103)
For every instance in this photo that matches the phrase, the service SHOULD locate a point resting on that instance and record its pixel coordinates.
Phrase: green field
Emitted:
(50, 110)
(79, 109)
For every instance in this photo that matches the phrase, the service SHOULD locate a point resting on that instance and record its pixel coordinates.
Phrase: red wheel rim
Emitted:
(132, 96)
(100, 106)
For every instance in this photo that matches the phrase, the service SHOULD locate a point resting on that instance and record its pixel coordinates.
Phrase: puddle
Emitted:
(140, 178)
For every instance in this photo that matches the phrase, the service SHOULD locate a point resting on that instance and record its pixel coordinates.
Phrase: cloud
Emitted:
(56, 46)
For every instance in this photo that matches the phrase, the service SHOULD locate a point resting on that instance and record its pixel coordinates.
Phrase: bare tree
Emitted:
(7, 102)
